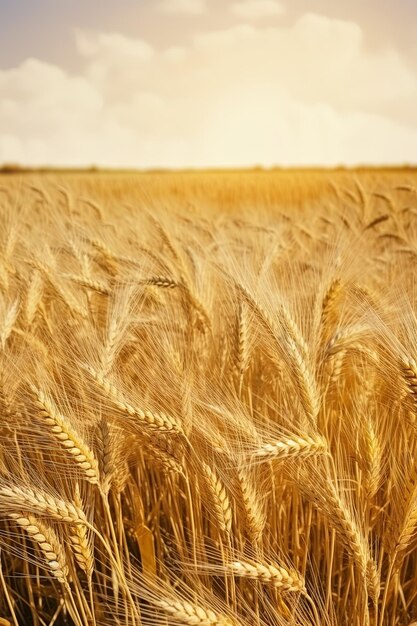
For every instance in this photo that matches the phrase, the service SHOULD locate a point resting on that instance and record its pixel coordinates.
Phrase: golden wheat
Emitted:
(208, 399)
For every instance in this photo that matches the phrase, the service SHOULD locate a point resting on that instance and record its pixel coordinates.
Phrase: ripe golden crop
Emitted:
(208, 399)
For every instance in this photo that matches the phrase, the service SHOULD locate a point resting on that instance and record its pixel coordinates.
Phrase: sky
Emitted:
(208, 83)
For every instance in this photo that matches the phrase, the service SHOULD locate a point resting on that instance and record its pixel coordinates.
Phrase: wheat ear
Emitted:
(87, 283)
(33, 297)
(408, 368)
(275, 575)
(219, 498)
(164, 282)
(8, 322)
(151, 419)
(80, 543)
(67, 436)
(293, 446)
(16, 498)
(105, 455)
(328, 303)
(305, 382)
(186, 613)
(356, 544)
(373, 459)
(254, 511)
(45, 538)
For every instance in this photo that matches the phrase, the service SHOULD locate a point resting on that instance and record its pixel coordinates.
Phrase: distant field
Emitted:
(218, 190)
(208, 398)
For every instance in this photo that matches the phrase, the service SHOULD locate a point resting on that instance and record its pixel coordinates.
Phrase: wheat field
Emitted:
(208, 399)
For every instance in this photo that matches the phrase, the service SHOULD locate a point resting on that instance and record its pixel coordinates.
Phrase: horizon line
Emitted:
(12, 168)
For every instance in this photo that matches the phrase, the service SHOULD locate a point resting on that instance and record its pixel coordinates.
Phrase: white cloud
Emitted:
(317, 59)
(306, 93)
(254, 9)
(291, 132)
(175, 53)
(190, 7)
(105, 45)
